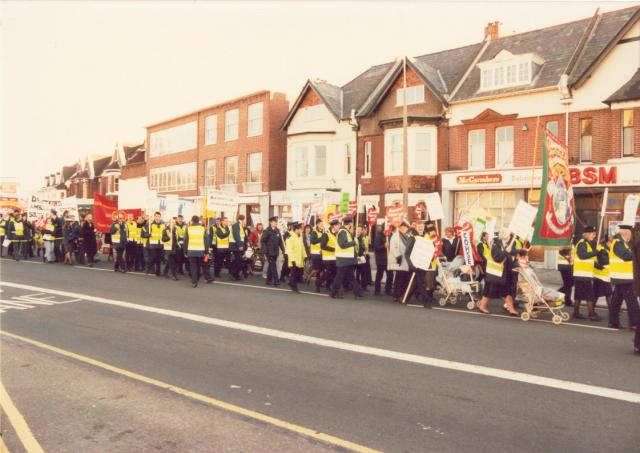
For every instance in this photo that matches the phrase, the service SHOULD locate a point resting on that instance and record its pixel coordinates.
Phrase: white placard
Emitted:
(69, 204)
(434, 206)
(296, 211)
(39, 209)
(256, 218)
(422, 253)
(630, 209)
(522, 219)
(220, 201)
(466, 244)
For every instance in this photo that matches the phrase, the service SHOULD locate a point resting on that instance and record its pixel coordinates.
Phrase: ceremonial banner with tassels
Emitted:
(555, 220)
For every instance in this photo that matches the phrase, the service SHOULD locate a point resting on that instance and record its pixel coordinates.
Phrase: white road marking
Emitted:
(533, 379)
(21, 261)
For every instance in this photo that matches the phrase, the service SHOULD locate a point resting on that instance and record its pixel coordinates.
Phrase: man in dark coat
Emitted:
(272, 245)
(346, 261)
(88, 234)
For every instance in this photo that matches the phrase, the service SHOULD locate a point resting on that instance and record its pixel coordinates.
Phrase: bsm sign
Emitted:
(601, 176)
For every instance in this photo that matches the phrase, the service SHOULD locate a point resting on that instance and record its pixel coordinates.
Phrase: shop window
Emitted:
(476, 149)
(627, 132)
(586, 139)
(496, 204)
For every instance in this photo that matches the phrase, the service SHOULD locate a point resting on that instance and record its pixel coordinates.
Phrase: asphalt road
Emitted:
(380, 375)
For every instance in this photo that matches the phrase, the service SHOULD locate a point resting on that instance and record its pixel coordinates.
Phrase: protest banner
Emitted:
(630, 210)
(223, 202)
(522, 219)
(308, 216)
(39, 210)
(70, 206)
(467, 246)
(434, 206)
(344, 203)
(256, 218)
(372, 215)
(555, 220)
(479, 227)
(103, 210)
(422, 253)
(296, 211)
(395, 215)
(353, 209)
(185, 208)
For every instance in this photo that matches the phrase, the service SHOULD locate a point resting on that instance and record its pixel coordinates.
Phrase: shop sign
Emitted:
(479, 179)
(590, 176)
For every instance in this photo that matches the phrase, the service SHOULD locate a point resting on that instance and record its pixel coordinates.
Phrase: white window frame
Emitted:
(228, 160)
(176, 139)
(348, 159)
(173, 178)
(231, 125)
(255, 119)
(470, 146)
(210, 179)
(623, 129)
(315, 172)
(250, 167)
(367, 159)
(505, 143)
(583, 140)
(391, 138)
(507, 70)
(211, 130)
(308, 160)
(415, 95)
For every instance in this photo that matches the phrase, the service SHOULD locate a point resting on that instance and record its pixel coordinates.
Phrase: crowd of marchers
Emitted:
(337, 257)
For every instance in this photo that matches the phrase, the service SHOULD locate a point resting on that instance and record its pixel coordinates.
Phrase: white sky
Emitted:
(79, 76)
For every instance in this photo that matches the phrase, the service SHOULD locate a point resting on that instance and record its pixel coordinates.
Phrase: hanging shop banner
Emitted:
(523, 219)
(434, 206)
(555, 219)
(422, 253)
(225, 202)
(630, 209)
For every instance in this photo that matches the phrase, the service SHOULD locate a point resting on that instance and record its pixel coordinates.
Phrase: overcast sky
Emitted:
(79, 76)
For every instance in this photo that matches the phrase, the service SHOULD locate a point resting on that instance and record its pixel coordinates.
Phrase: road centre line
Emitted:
(18, 422)
(307, 432)
(498, 373)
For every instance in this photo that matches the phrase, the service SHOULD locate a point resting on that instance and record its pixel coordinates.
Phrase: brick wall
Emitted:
(275, 160)
(136, 170)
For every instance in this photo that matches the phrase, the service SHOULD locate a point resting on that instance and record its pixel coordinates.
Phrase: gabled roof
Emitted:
(575, 46)
(358, 90)
(68, 171)
(630, 91)
(100, 165)
(328, 93)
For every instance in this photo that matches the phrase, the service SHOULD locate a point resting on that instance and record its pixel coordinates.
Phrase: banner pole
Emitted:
(535, 153)
(406, 293)
(603, 210)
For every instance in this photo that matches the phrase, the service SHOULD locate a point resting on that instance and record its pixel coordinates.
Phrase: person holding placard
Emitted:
(346, 249)
(621, 259)
(499, 274)
(420, 288)
(222, 246)
(398, 262)
(296, 254)
(380, 245)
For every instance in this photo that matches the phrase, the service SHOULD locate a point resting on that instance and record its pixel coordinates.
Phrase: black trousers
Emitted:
(330, 271)
(222, 257)
(400, 282)
(272, 270)
(567, 286)
(57, 250)
(180, 259)
(155, 260)
(139, 264)
(198, 267)
(624, 292)
(419, 287)
(18, 249)
(119, 264)
(345, 278)
(170, 264)
(1, 246)
(237, 262)
(285, 268)
(381, 269)
(363, 275)
(131, 255)
(294, 276)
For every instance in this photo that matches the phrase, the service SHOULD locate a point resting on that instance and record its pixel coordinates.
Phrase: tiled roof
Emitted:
(100, 165)
(330, 95)
(358, 90)
(451, 64)
(630, 91)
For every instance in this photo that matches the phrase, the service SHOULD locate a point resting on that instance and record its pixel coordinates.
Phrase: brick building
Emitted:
(235, 146)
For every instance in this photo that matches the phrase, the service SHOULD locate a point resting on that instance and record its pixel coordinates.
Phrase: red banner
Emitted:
(104, 212)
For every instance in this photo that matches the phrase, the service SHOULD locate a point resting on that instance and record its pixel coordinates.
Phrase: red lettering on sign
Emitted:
(575, 176)
(610, 177)
(589, 176)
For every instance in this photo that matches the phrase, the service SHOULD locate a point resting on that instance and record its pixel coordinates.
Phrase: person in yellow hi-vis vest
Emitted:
(171, 249)
(296, 254)
(238, 246)
(17, 235)
(153, 233)
(601, 274)
(130, 250)
(584, 258)
(48, 236)
(328, 249)
(316, 253)
(139, 265)
(499, 274)
(196, 245)
(346, 253)
(119, 242)
(180, 229)
(3, 232)
(222, 246)
(621, 266)
(564, 264)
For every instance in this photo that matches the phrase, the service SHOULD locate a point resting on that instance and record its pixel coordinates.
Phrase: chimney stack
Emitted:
(492, 31)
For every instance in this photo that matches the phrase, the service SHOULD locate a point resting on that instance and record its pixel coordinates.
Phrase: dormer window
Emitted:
(506, 70)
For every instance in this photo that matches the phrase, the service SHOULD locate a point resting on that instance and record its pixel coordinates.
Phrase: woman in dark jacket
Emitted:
(500, 286)
(88, 234)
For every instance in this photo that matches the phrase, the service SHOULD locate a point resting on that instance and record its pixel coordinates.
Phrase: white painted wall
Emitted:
(336, 176)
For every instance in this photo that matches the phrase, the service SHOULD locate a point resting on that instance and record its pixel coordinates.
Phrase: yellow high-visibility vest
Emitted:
(316, 249)
(493, 267)
(241, 231)
(196, 238)
(3, 230)
(180, 232)
(155, 233)
(134, 233)
(214, 236)
(331, 242)
(561, 260)
(223, 243)
(168, 245)
(602, 274)
(348, 252)
(583, 268)
(620, 270)
(115, 237)
(486, 251)
(48, 230)
(18, 228)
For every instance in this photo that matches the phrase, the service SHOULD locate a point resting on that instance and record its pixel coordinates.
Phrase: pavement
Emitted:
(130, 362)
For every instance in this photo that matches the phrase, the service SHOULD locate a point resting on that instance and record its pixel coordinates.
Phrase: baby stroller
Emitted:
(538, 299)
(456, 282)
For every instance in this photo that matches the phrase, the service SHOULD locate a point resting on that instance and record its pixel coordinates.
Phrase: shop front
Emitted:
(497, 192)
